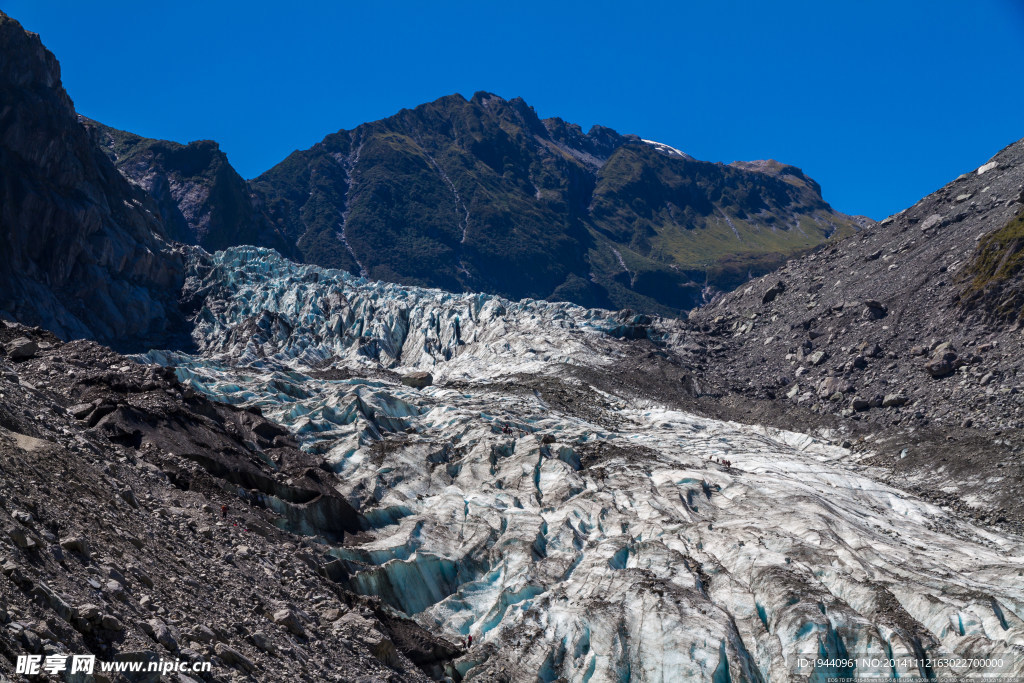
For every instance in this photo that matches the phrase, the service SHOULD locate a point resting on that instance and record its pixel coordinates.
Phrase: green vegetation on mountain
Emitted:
(996, 273)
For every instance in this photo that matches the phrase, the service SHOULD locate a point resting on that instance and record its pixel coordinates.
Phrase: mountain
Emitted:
(202, 199)
(84, 253)
(347, 478)
(482, 195)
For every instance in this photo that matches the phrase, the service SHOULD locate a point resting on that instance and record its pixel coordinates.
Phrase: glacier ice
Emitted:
(588, 549)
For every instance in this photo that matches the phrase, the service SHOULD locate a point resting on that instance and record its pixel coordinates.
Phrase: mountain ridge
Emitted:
(484, 195)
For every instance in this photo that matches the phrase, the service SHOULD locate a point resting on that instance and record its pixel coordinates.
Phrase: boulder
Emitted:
(80, 411)
(78, 545)
(817, 358)
(932, 221)
(418, 379)
(942, 363)
(115, 589)
(370, 633)
(22, 348)
(771, 294)
(871, 350)
(22, 538)
(89, 612)
(161, 633)
(874, 310)
(833, 386)
(332, 614)
(203, 634)
(234, 658)
(290, 621)
(109, 622)
(894, 400)
(262, 642)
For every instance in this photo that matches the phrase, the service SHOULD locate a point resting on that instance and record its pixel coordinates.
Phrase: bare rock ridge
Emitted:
(202, 199)
(84, 254)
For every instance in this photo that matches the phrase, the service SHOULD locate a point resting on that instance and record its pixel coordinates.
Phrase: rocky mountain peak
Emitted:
(27, 64)
(201, 198)
(787, 172)
(84, 251)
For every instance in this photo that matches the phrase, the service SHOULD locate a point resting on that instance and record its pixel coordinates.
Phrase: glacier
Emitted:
(630, 541)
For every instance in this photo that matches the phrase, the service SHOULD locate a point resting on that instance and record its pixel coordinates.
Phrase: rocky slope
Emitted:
(83, 252)
(904, 334)
(202, 199)
(482, 195)
(550, 490)
(113, 541)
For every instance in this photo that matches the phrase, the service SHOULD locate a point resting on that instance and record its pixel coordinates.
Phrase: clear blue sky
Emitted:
(881, 101)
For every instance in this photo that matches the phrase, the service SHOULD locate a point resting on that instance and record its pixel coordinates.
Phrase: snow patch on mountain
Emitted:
(667, 149)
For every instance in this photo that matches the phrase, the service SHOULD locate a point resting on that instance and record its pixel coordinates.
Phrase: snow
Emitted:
(668, 150)
(613, 553)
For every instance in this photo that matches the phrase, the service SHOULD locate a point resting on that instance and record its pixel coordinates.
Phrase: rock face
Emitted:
(83, 252)
(202, 199)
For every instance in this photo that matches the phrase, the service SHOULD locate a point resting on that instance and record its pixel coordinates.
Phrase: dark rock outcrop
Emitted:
(83, 250)
(202, 199)
(418, 379)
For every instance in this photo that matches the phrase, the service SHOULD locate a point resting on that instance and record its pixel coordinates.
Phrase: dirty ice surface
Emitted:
(570, 548)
